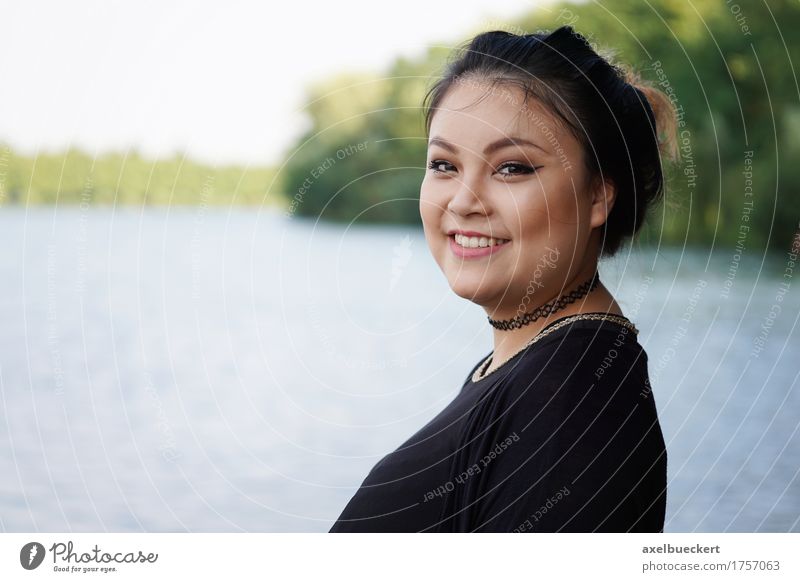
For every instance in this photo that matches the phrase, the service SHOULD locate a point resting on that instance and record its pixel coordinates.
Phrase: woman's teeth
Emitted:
(474, 242)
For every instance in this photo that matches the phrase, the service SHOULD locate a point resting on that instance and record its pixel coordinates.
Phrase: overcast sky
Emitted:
(223, 80)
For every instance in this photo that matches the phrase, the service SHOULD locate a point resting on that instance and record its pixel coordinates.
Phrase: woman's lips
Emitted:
(476, 252)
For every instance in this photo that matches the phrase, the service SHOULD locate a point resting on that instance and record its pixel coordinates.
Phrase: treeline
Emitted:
(75, 177)
(726, 66)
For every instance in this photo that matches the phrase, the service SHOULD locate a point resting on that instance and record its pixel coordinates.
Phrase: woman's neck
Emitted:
(509, 342)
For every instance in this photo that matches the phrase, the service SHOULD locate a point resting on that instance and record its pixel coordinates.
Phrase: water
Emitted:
(206, 369)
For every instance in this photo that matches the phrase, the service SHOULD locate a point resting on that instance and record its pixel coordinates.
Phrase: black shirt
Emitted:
(564, 436)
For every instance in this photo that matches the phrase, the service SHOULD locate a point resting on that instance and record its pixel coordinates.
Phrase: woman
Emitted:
(542, 158)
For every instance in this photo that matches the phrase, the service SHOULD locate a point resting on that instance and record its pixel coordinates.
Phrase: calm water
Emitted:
(204, 369)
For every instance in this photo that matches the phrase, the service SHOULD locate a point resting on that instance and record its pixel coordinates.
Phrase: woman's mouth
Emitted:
(468, 247)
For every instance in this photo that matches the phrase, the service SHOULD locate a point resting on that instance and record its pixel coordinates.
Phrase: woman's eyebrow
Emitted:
(501, 143)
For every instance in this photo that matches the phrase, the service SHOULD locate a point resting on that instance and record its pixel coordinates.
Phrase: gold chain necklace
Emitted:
(480, 373)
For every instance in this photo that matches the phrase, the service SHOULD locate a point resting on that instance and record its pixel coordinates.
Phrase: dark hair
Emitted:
(607, 107)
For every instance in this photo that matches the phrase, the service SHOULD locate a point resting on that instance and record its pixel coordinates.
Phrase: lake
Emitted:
(214, 369)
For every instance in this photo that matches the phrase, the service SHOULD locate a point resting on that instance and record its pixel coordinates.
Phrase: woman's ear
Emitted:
(604, 193)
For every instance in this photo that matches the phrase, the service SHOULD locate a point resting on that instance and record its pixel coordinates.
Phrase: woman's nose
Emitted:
(466, 198)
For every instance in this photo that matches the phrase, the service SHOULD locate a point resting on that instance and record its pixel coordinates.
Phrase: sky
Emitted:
(222, 81)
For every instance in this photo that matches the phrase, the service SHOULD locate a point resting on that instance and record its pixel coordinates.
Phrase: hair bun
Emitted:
(663, 110)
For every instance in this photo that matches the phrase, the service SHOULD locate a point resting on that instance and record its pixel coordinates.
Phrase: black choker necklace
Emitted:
(548, 308)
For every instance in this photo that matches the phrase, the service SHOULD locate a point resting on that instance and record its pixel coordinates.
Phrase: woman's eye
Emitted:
(521, 169)
(437, 166)
(515, 168)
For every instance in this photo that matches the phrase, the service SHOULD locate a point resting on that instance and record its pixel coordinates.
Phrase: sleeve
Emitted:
(558, 446)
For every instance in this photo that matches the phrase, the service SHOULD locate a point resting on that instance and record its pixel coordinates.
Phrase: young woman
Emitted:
(542, 158)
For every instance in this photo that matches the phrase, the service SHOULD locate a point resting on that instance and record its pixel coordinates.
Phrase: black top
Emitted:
(564, 436)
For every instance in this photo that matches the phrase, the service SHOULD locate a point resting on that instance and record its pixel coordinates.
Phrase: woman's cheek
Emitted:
(528, 214)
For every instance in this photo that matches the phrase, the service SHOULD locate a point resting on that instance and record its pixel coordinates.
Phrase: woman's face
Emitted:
(533, 200)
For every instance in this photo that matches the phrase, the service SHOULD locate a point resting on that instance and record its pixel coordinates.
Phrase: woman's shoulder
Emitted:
(571, 363)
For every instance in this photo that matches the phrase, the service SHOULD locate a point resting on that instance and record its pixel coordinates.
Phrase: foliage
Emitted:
(727, 64)
(75, 177)
(731, 74)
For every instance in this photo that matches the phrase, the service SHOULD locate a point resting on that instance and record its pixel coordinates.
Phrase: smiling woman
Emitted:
(542, 158)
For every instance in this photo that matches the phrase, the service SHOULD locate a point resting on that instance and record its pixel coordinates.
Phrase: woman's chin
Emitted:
(473, 290)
